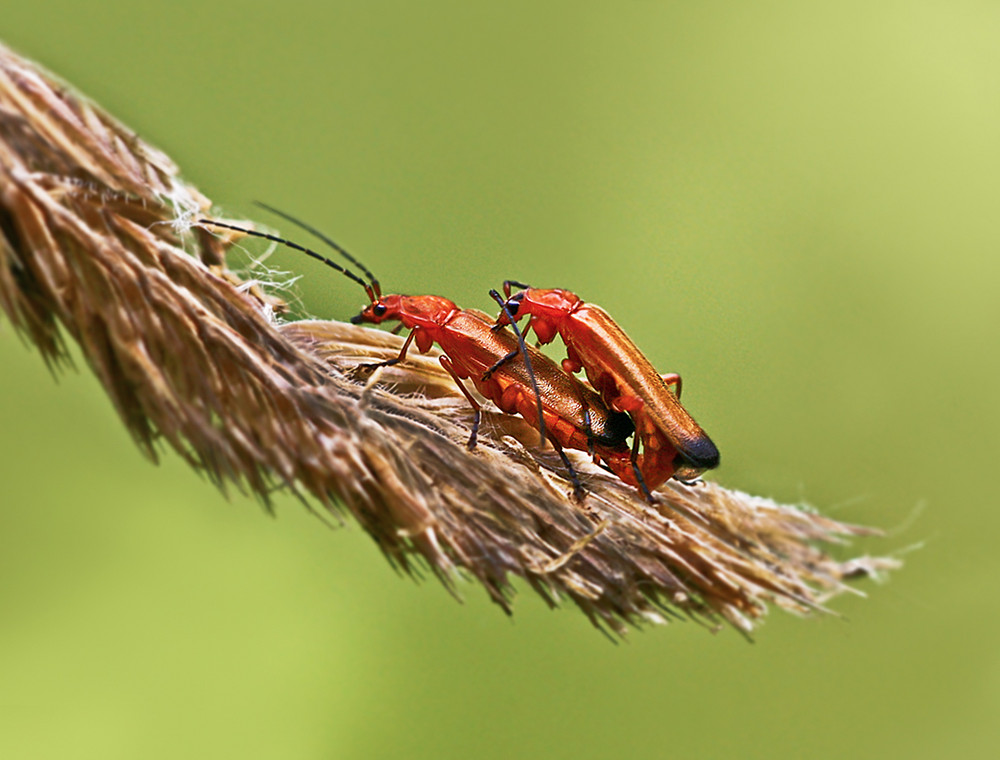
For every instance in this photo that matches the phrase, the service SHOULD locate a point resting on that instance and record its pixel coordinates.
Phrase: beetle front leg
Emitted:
(397, 360)
(499, 363)
(509, 285)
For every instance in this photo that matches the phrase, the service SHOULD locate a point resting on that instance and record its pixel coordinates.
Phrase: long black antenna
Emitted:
(326, 239)
(369, 289)
(527, 363)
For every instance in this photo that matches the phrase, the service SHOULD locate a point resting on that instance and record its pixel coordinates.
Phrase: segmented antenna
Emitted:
(527, 363)
(326, 239)
(370, 289)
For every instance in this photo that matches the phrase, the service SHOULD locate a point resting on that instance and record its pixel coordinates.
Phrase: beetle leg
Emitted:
(578, 491)
(397, 360)
(588, 429)
(499, 363)
(572, 363)
(509, 285)
(638, 473)
(589, 432)
(446, 363)
(630, 404)
(672, 378)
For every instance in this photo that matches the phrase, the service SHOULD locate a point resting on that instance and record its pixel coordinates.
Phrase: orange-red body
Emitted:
(623, 376)
(574, 415)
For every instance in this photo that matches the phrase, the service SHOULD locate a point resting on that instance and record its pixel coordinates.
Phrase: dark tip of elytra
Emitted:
(703, 454)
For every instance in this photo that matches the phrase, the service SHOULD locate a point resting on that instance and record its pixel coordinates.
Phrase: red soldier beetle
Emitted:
(620, 373)
(550, 400)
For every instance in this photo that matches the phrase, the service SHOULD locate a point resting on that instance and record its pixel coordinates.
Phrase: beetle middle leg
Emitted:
(450, 368)
(499, 363)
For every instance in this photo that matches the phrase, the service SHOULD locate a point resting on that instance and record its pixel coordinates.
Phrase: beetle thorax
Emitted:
(548, 309)
(425, 311)
(553, 303)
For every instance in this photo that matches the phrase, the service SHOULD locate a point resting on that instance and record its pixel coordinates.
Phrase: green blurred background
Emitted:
(794, 205)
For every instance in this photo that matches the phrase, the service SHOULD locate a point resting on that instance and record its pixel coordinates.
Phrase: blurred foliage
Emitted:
(789, 204)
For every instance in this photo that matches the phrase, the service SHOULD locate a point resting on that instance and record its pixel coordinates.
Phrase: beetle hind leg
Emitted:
(633, 460)
(672, 378)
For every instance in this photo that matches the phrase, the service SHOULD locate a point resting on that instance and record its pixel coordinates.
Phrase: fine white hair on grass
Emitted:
(186, 209)
(253, 273)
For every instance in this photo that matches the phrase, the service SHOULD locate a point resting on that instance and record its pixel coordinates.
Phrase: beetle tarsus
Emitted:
(499, 363)
(378, 365)
(579, 492)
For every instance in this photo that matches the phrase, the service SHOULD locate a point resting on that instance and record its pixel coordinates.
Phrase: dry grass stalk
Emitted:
(94, 244)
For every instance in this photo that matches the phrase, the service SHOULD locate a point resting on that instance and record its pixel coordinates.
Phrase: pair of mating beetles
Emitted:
(626, 397)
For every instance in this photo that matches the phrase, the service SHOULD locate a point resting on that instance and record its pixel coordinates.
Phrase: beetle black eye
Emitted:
(379, 309)
(512, 306)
